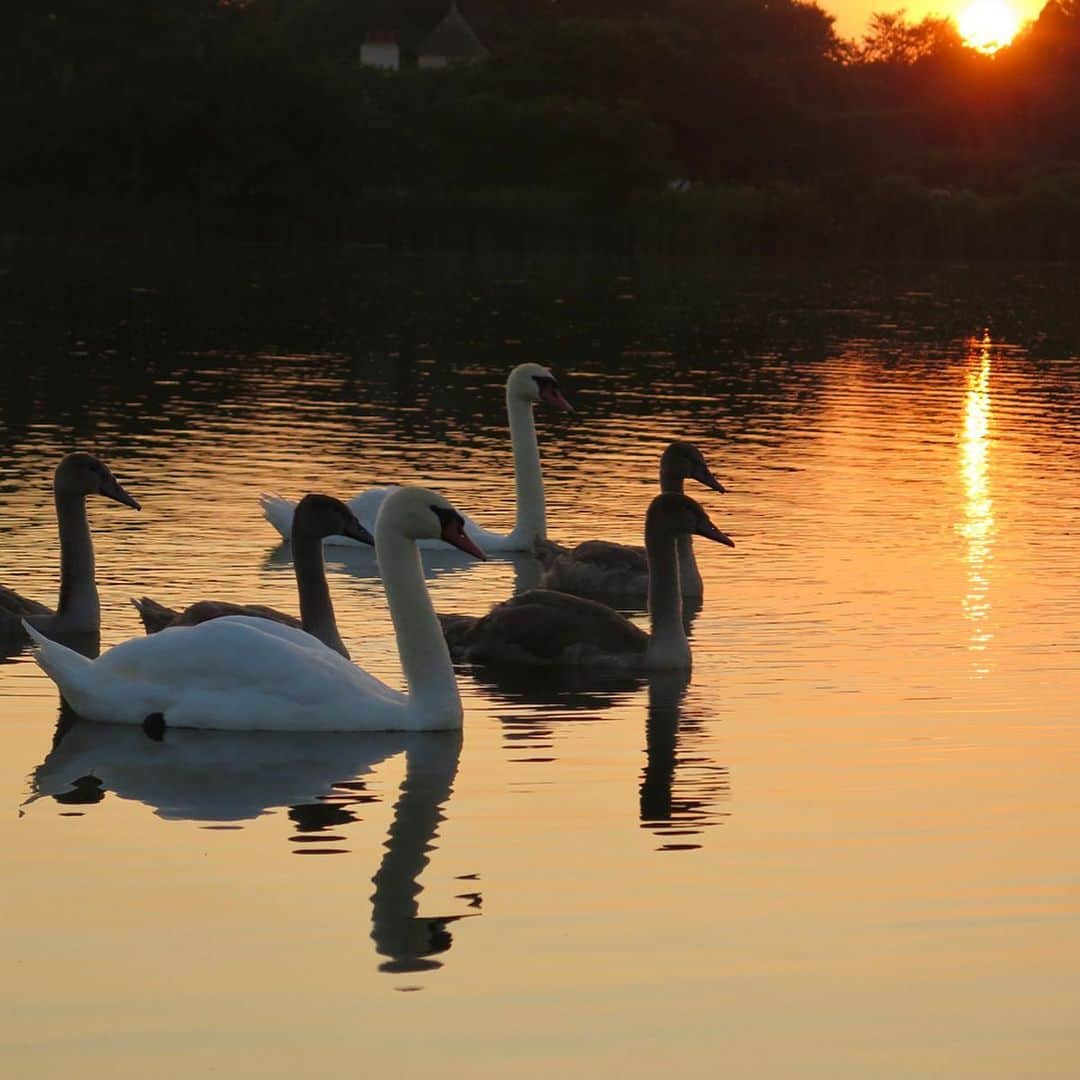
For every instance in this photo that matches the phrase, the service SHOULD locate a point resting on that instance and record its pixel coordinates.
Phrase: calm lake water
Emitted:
(847, 848)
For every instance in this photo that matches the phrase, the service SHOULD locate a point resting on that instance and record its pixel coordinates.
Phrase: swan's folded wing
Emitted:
(600, 569)
(235, 665)
(543, 626)
(155, 617)
(19, 606)
(205, 610)
(279, 512)
(610, 557)
(547, 551)
(456, 629)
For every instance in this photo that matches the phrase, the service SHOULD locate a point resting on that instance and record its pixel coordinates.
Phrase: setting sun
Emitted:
(987, 25)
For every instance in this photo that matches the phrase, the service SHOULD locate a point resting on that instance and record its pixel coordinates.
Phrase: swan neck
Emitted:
(428, 784)
(665, 593)
(79, 601)
(689, 574)
(666, 689)
(671, 479)
(531, 521)
(316, 607)
(425, 660)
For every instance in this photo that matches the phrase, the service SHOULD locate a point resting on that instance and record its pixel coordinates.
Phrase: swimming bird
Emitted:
(79, 609)
(316, 517)
(245, 674)
(601, 568)
(526, 385)
(546, 627)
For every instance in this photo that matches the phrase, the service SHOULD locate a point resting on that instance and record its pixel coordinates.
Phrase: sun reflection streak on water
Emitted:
(977, 526)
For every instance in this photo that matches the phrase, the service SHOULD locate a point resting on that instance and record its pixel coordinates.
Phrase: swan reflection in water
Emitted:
(360, 563)
(675, 811)
(681, 788)
(221, 778)
(13, 649)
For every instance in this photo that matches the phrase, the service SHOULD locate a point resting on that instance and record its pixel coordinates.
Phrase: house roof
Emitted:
(453, 38)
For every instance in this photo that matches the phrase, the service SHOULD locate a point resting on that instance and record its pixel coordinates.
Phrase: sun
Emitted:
(987, 25)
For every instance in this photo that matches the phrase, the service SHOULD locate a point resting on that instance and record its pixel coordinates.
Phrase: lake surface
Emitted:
(847, 848)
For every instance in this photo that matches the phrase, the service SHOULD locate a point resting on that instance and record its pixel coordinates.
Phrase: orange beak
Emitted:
(551, 395)
(453, 533)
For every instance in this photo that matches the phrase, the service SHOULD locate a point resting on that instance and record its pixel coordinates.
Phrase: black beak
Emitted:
(355, 531)
(704, 476)
(111, 489)
(711, 532)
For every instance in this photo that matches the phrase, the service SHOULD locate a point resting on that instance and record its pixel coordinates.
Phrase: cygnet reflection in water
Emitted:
(679, 790)
(554, 688)
(12, 649)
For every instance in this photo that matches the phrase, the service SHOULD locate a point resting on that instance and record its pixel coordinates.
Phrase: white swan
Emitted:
(526, 385)
(606, 570)
(317, 517)
(246, 674)
(79, 609)
(554, 628)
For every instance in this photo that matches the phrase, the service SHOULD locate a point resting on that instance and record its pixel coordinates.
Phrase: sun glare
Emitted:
(987, 25)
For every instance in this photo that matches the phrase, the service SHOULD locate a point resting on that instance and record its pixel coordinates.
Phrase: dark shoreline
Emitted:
(897, 217)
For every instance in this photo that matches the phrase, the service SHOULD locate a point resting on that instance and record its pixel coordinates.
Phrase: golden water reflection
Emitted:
(834, 745)
(977, 526)
(225, 780)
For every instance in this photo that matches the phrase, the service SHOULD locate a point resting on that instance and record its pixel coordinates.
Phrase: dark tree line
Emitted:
(239, 107)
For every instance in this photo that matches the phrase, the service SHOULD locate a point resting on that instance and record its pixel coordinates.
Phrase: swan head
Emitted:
(323, 515)
(684, 461)
(678, 515)
(415, 513)
(533, 383)
(82, 474)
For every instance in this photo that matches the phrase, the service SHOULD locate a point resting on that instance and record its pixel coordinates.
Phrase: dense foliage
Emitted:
(730, 110)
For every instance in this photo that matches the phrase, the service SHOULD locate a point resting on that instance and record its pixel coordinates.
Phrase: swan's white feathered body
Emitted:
(248, 674)
(526, 385)
(236, 674)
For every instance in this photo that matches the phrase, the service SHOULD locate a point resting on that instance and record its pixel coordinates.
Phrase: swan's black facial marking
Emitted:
(448, 518)
(548, 391)
(154, 726)
(452, 530)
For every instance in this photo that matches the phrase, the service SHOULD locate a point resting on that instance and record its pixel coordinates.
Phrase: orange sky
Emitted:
(852, 15)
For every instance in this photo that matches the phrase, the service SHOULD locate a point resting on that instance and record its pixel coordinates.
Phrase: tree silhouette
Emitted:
(891, 39)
